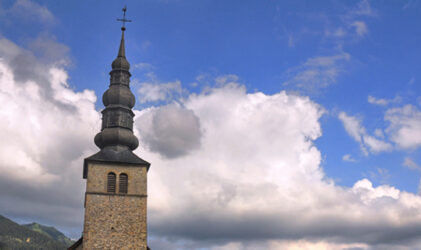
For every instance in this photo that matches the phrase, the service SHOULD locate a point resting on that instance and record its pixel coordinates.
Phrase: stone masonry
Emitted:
(113, 220)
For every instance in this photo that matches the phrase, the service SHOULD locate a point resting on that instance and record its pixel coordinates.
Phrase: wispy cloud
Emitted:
(362, 9)
(367, 142)
(381, 175)
(382, 101)
(411, 164)
(317, 72)
(360, 28)
(348, 158)
(143, 66)
(32, 11)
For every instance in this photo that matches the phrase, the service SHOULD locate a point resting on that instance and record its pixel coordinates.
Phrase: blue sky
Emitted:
(358, 62)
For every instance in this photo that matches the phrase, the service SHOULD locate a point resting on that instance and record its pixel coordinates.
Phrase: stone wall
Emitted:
(115, 221)
(97, 178)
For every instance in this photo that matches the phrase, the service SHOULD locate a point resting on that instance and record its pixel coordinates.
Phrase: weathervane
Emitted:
(124, 20)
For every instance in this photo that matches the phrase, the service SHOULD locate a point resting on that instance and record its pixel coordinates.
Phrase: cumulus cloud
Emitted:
(272, 244)
(256, 182)
(48, 51)
(153, 90)
(170, 130)
(317, 72)
(405, 126)
(246, 173)
(240, 170)
(367, 142)
(47, 129)
(402, 131)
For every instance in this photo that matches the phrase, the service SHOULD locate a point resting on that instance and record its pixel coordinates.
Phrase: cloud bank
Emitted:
(46, 129)
(256, 183)
(230, 169)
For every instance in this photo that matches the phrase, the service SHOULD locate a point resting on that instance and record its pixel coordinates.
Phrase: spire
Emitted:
(122, 50)
(116, 139)
(121, 63)
(117, 117)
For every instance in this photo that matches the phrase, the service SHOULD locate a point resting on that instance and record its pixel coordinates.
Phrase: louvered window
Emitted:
(111, 178)
(124, 179)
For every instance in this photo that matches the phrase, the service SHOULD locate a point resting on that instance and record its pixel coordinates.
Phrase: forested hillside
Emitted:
(30, 236)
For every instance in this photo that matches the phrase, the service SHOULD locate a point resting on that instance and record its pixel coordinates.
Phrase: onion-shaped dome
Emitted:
(120, 63)
(116, 137)
(118, 94)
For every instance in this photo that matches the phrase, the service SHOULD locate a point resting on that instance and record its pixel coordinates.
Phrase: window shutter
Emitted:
(124, 179)
(111, 183)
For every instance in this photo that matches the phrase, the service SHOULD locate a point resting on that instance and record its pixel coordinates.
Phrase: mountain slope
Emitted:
(50, 232)
(14, 236)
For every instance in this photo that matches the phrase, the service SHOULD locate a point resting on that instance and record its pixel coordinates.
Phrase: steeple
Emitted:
(116, 178)
(116, 139)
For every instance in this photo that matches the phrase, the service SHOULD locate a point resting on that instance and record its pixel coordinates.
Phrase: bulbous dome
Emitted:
(118, 94)
(120, 63)
(116, 136)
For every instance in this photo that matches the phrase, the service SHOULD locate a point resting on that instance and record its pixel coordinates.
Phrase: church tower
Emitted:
(115, 198)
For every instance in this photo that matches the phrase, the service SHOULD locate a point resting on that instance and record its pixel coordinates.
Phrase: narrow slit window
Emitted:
(124, 182)
(111, 179)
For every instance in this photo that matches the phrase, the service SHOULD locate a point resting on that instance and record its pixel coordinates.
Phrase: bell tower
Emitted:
(116, 194)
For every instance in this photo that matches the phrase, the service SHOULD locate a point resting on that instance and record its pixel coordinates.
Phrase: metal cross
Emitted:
(124, 20)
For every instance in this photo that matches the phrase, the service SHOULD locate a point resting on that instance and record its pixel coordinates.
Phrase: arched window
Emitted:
(111, 178)
(124, 181)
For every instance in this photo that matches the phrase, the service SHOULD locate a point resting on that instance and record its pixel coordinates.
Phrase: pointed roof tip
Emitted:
(122, 49)
(121, 62)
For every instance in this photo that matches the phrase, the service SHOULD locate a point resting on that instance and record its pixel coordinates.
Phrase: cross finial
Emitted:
(124, 20)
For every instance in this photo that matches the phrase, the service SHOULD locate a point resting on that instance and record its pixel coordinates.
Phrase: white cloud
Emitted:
(379, 133)
(367, 142)
(363, 9)
(405, 126)
(380, 175)
(171, 130)
(382, 101)
(143, 66)
(156, 91)
(255, 177)
(373, 100)
(317, 72)
(271, 244)
(338, 33)
(31, 11)
(226, 79)
(409, 163)
(360, 28)
(348, 158)
(46, 129)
